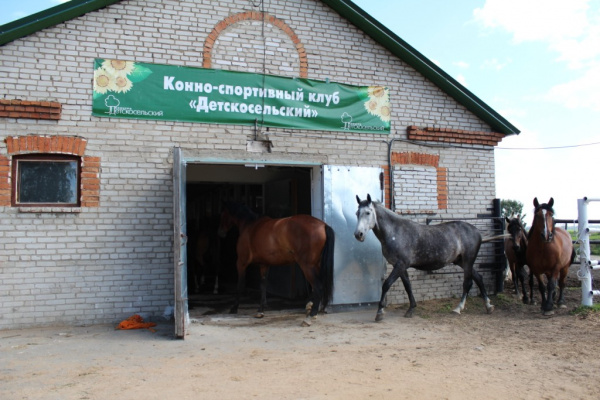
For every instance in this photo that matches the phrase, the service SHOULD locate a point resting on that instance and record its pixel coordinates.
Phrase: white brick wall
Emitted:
(105, 263)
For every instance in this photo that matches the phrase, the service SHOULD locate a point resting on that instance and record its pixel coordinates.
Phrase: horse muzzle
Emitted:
(360, 236)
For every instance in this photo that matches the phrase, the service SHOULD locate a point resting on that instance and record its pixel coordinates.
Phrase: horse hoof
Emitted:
(259, 315)
(562, 306)
(490, 309)
(308, 321)
(308, 308)
(408, 314)
(457, 310)
(379, 317)
(548, 313)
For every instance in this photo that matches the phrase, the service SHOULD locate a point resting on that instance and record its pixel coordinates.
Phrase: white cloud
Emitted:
(583, 92)
(496, 64)
(461, 64)
(461, 79)
(535, 20)
(571, 29)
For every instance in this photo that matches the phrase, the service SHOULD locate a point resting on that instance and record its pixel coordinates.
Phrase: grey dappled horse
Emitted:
(425, 247)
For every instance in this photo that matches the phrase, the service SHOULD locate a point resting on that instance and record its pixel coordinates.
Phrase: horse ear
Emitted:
(368, 198)
(357, 199)
(551, 202)
(536, 203)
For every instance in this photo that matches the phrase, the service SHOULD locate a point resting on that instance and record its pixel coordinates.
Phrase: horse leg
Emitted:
(548, 306)
(479, 281)
(408, 288)
(561, 285)
(312, 307)
(467, 284)
(241, 269)
(263, 291)
(389, 281)
(515, 276)
(531, 298)
(542, 288)
(521, 274)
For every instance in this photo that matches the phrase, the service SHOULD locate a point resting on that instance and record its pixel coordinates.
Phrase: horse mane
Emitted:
(546, 207)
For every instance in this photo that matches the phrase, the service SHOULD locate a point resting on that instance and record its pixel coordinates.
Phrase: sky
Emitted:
(535, 62)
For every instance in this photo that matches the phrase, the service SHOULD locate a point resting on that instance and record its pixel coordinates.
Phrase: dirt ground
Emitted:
(514, 353)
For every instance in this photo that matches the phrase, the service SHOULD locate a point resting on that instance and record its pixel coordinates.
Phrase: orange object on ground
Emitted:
(136, 322)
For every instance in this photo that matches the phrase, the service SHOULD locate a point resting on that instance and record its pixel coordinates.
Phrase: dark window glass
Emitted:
(49, 181)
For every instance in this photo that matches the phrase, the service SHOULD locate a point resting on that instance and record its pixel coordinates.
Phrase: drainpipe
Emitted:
(391, 172)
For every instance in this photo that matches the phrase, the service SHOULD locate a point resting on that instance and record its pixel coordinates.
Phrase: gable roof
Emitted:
(345, 8)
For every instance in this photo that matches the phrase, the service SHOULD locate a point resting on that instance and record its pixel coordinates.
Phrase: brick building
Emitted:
(110, 243)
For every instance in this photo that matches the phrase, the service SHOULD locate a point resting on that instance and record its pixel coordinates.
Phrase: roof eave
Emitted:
(346, 8)
(422, 64)
(50, 17)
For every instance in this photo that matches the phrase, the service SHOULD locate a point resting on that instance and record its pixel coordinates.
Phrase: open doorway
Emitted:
(274, 191)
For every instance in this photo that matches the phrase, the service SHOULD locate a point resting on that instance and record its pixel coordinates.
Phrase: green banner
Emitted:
(126, 89)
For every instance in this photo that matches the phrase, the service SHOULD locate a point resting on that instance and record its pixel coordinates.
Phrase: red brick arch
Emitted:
(256, 16)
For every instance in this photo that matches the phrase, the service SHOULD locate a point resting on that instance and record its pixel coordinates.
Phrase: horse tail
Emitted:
(326, 272)
(490, 238)
(573, 255)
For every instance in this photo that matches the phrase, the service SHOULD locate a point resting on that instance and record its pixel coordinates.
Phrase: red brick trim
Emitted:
(256, 16)
(4, 181)
(30, 109)
(45, 144)
(454, 136)
(430, 160)
(72, 145)
(90, 182)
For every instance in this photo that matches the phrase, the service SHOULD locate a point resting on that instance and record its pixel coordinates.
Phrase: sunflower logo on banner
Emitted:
(118, 76)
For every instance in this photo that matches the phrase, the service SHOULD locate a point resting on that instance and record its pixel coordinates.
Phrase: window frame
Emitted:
(48, 158)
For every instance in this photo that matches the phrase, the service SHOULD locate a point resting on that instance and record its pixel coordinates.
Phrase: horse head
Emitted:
(228, 218)
(366, 218)
(517, 233)
(543, 219)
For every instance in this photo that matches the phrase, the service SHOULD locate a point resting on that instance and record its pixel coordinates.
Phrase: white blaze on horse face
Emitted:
(545, 224)
(365, 222)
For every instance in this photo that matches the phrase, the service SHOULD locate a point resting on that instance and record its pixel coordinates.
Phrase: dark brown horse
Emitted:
(515, 248)
(268, 242)
(549, 252)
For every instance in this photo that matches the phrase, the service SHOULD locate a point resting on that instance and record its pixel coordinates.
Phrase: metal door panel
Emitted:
(359, 267)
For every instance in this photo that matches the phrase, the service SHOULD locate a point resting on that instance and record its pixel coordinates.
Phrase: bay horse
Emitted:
(268, 242)
(515, 248)
(408, 244)
(549, 252)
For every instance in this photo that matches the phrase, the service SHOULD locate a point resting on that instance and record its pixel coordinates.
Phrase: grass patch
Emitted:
(594, 248)
(584, 311)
